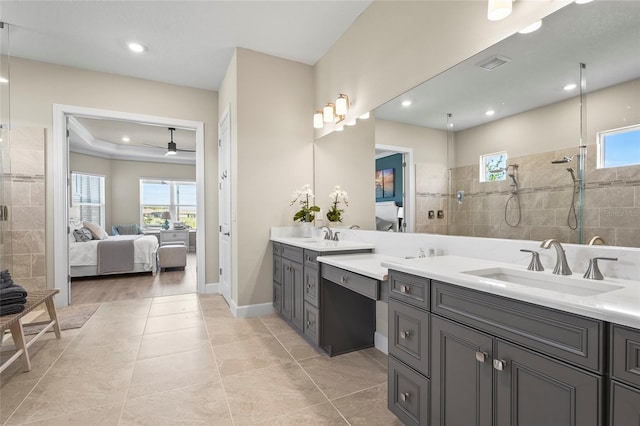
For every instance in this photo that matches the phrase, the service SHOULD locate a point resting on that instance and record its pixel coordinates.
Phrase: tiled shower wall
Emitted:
(431, 195)
(612, 201)
(24, 192)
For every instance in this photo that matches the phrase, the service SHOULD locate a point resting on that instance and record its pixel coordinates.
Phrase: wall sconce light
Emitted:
(499, 9)
(318, 120)
(329, 113)
(342, 104)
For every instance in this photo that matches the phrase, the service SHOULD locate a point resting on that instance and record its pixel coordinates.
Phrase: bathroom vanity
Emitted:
(332, 308)
(465, 348)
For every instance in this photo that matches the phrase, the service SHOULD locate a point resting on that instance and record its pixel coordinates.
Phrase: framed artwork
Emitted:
(385, 183)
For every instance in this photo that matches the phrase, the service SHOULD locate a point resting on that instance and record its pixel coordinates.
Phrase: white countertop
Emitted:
(621, 306)
(367, 264)
(321, 245)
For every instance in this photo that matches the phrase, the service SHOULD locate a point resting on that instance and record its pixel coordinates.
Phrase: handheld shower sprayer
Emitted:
(572, 171)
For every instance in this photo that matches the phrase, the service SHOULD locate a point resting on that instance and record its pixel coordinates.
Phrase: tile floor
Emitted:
(184, 360)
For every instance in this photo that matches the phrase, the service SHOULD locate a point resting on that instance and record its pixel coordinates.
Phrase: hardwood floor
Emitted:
(135, 286)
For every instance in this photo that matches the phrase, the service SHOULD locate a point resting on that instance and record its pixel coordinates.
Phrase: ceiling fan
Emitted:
(172, 149)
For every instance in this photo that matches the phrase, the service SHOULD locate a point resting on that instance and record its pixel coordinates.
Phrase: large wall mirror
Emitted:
(535, 167)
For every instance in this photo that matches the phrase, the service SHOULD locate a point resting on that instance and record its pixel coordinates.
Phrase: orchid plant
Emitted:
(307, 211)
(338, 195)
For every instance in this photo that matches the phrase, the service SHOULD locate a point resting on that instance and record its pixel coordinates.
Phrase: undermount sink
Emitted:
(558, 283)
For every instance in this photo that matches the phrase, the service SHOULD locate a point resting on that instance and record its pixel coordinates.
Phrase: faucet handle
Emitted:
(335, 235)
(593, 272)
(535, 264)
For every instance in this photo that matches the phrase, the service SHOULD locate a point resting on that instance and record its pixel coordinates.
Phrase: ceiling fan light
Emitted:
(169, 153)
(342, 104)
(328, 113)
(318, 121)
(499, 9)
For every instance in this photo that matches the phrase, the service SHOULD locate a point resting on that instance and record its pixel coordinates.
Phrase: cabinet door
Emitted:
(534, 390)
(297, 294)
(287, 289)
(311, 323)
(277, 268)
(461, 375)
(625, 405)
(277, 296)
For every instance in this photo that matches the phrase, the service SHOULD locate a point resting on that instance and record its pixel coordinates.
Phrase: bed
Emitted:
(87, 259)
(386, 216)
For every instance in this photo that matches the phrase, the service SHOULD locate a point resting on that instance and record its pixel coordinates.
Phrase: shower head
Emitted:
(564, 160)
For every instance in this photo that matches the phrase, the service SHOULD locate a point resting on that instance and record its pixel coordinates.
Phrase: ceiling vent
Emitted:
(493, 62)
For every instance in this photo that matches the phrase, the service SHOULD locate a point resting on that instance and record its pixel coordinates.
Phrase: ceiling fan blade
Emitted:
(185, 150)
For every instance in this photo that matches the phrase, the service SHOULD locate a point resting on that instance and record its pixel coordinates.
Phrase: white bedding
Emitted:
(388, 212)
(86, 254)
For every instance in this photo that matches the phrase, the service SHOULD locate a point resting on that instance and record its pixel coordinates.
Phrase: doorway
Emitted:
(406, 214)
(61, 189)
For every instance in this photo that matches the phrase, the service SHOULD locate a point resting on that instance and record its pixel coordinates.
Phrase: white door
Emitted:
(224, 204)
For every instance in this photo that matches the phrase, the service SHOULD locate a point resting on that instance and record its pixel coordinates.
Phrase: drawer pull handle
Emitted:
(309, 323)
(344, 280)
(404, 334)
(481, 356)
(404, 396)
(499, 364)
(309, 286)
(405, 289)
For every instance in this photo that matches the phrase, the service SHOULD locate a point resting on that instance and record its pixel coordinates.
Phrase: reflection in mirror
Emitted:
(517, 172)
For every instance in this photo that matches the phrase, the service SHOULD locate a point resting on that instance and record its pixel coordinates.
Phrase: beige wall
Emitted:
(346, 159)
(274, 139)
(122, 182)
(36, 86)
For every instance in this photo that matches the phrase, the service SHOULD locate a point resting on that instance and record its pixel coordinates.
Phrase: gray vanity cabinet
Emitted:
(277, 277)
(624, 386)
(292, 287)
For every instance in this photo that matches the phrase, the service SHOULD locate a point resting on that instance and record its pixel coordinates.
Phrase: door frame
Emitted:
(225, 289)
(60, 159)
(408, 184)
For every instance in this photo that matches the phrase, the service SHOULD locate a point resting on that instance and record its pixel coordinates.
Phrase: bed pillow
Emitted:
(82, 235)
(383, 225)
(97, 232)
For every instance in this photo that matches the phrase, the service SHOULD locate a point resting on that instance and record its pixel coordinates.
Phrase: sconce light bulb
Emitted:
(328, 113)
(318, 121)
(342, 104)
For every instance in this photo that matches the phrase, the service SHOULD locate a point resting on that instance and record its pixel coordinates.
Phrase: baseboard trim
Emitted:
(211, 288)
(381, 342)
(249, 311)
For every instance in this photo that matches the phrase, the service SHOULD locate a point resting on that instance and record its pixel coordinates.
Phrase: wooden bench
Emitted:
(13, 322)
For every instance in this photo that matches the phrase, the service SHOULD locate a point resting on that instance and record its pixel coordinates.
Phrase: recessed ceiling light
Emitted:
(531, 28)
(569, 87)
(136, 47)
(364, 116)
(583, 1)
(490, 112)
(450, 125)
(406, 103)
(126, 139)
(3, 80)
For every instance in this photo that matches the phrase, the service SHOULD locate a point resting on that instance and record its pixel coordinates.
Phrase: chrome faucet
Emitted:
(596, 240)
(562, 267)
(328, 233)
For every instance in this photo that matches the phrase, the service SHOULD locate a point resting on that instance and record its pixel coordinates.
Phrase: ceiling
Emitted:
(189, 43)
(604, 35)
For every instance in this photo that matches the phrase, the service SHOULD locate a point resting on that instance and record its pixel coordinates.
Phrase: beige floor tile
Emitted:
(12, 395)
(344, 374)
(322, 415)
(275, 391)
(228, 330)
(379, 356)
(170, 342)
(173, 322)
(252, 354)
(108, 415)
(83, 360)
(214, 306)
(202, 404)
(276, 324)
(174, 298)
(177, 307)
(169, 372)
(367, 407)
(124, 310)
(57, 395)
(297, 346)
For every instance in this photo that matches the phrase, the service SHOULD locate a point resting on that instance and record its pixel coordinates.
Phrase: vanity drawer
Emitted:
(408, 394)
(293, 253)
(277, 249)
(570, 337)
(409, 335)
(625, 354)
(366, 286)
(409, 288)
(311, 258)
(311, 285)
(311, 325)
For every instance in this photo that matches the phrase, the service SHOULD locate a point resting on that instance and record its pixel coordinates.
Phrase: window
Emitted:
(88, 194)
(493, 166)
(173, 196)
(619, 147)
